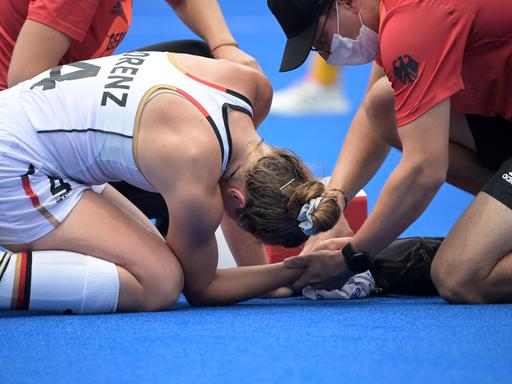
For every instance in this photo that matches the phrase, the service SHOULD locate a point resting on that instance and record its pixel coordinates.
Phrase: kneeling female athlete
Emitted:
(181, 125)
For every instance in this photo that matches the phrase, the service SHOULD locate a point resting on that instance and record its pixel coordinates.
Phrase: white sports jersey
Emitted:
(75, 126)
(87, 113)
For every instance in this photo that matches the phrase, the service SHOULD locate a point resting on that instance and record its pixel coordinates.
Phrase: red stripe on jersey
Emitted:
(223, 89)
(29, 192)
(193, 101)
(35, 201)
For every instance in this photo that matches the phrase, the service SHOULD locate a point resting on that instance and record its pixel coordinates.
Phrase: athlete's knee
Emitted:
(456, 286)
(162, 284)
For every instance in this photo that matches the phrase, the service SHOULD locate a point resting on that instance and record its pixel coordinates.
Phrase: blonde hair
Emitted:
(277, 186)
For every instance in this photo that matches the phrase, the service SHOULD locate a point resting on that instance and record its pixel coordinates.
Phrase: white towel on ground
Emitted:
(357, 287)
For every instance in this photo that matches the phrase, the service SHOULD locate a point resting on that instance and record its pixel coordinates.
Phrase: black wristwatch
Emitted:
(357, 261)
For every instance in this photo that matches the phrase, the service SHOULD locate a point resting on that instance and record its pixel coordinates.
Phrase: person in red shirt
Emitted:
(441, 91)
(36, 35)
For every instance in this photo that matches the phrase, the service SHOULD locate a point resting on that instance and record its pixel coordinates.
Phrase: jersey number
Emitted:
(55, 188)
(84, 71)
(57, 184)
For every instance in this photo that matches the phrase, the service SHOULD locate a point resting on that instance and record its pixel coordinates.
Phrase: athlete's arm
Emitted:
(205, 18)
(414, 182)
(262, 97)
(361, 156)
(252, 84)
(194, 218)
(244, 247)
(37, 49)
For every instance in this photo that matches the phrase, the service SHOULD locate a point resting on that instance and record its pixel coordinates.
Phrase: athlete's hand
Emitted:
(326, 269)
(236, 55)
(278, 293)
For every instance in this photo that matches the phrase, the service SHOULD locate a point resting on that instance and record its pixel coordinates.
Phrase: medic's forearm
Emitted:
(205, 18)
(362, 154)
(406, 194)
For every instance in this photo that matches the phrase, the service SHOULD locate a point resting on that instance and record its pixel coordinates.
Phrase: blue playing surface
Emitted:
(376, 340)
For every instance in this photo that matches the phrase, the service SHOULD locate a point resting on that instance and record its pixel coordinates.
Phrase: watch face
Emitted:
(359, 262)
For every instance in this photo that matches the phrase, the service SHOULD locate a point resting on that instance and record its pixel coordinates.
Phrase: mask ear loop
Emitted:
(337, 18)
(361, 19)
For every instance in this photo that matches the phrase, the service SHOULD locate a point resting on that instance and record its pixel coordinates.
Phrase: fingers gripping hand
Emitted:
(297, 262)
(323, 267)
(331, 244)
(338, 231)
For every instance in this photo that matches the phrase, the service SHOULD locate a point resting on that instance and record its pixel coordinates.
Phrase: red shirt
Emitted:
(96, 26)
(435, 49)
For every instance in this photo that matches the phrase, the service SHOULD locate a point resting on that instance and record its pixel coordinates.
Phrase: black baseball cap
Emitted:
(299, 20)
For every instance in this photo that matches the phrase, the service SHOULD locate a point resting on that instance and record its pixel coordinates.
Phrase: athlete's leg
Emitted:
(466, 169)
(58, 281)
(116, 198)
(474, 263)
(150, 275)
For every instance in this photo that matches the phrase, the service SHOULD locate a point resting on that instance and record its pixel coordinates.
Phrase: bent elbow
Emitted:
(199, 299)
(432, 180)
(196, 300)
(430, 177)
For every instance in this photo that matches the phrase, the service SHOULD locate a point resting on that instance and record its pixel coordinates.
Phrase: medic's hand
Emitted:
(340, 230)
(326, 269)
(236, 55)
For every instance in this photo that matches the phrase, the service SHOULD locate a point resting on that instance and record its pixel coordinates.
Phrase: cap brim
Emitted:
(297, 48)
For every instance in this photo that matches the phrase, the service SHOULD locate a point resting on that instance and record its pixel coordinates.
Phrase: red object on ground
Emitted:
(356, 213)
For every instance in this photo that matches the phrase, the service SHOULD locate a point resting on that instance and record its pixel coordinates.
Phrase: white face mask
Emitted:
(346, 51)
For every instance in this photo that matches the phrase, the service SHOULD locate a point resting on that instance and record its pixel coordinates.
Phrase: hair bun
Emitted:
(310, 199)
(278, 185)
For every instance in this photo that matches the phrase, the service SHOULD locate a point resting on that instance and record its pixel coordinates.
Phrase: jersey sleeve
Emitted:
(73, 18)
(422, 51)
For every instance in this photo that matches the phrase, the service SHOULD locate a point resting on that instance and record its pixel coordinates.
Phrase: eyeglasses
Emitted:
(251, 151)
(322, 43)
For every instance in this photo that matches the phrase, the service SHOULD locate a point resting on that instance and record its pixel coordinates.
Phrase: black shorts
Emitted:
(499, 186)
(493, 141)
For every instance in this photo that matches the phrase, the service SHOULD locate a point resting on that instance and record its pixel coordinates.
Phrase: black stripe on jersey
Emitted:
(4, 262)
(219, 138)
(84, 130)
(240, 96)
(240, 109)
(225, 111)
(28, 281)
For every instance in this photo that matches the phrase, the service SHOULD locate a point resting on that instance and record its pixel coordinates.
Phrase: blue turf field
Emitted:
(390, 340)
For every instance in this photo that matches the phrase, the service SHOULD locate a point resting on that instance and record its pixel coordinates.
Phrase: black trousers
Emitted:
(152, 204)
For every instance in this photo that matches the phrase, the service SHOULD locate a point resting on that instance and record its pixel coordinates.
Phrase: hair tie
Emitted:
(305, 220)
